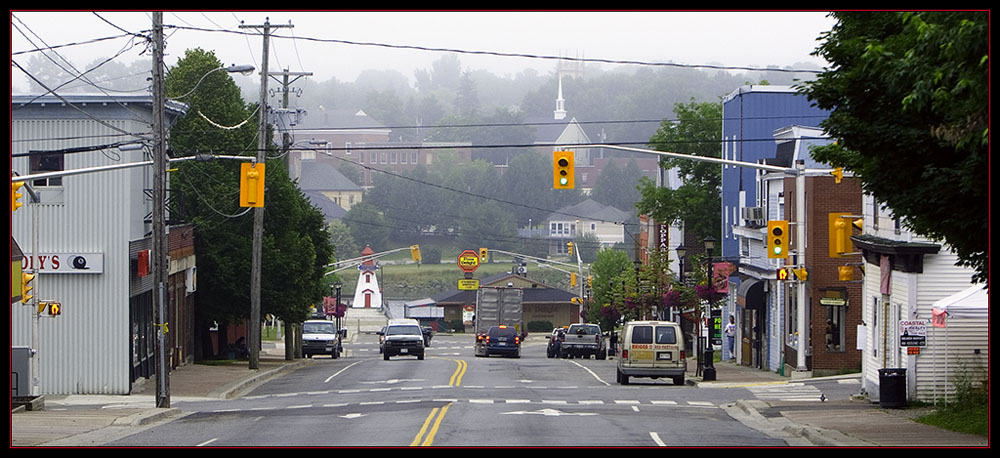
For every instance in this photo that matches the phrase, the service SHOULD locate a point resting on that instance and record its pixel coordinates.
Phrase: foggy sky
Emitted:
(315, 42)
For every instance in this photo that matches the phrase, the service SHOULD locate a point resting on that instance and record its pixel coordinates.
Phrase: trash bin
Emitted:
(892, 388)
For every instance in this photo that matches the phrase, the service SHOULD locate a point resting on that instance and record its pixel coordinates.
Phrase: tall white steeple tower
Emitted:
(560, 111)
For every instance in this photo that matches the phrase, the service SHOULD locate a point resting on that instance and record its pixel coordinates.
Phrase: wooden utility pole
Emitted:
(160, 266)
(258, 215)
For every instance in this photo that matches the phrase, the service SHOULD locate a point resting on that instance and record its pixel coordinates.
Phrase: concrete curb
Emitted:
(239, 387)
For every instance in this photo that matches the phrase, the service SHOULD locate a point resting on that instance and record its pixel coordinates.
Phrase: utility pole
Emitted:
(258, 215)
(285, 83)
(160, 266)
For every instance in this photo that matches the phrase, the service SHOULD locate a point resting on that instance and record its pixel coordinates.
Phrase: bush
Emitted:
(540, 326)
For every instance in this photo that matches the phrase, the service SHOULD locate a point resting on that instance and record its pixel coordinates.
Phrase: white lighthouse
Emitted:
(367, 294)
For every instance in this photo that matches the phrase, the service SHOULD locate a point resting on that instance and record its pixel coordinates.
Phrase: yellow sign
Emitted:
(468, 284)
(468, 261)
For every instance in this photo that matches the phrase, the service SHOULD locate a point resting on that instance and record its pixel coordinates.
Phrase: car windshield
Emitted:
(503, 332)
(318, 328)
(403, 331)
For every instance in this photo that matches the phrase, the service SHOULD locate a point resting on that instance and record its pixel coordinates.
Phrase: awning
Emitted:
(750, 294)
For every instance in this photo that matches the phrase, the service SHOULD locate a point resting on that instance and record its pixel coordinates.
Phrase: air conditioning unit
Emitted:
(754, 216)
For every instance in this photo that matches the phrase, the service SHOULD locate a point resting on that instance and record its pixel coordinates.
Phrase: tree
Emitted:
(909, 94)
(295, 247)
(696, 203)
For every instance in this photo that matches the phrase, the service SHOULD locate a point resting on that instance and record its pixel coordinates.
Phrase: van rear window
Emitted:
(642, 334)
(666, 335)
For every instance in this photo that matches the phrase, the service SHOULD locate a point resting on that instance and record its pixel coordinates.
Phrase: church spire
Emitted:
(560, 111)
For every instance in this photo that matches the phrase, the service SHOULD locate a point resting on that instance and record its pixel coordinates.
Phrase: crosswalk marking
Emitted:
(786, 392)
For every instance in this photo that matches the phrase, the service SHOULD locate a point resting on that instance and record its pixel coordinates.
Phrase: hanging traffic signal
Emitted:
(15, 196)
(777, 239)
(569, 248)
(251, 184)
(840, 234)
(483, 255)
(838, 174)
(572, 279)
(26, 279)
(845, 273)
(415, 253)
(562, 170)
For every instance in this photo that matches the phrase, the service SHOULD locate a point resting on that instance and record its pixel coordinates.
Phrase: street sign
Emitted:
(468, 261)
(912, 333)
(466, 284)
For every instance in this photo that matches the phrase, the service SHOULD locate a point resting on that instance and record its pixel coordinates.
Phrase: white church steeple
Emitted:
(560, 112)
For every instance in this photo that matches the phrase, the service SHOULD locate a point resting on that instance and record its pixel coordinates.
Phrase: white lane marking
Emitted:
(591, 373)
(656, 438)
(340, 371)
(207, 442)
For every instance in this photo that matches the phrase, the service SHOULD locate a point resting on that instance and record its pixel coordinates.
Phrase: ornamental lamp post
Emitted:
(708, 374)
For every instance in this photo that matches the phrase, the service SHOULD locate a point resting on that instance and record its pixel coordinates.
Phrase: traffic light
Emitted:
(562, 170)
(251, 184)
(415, 252)
(838, 174)
(569, 248)
(483, 255)
(590, 281)
(777, 239)
(845, 273)
(15, 196)
(782, 274)
(802, 273)
(572, 279)
(26, 279)
(840, 234)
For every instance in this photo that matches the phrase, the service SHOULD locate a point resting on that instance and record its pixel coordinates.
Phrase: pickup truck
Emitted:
(583, 340)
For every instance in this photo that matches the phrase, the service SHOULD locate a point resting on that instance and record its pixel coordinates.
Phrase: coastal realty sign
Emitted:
(65, 263)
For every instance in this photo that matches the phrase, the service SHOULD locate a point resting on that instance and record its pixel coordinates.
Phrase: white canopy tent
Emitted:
(972, 303)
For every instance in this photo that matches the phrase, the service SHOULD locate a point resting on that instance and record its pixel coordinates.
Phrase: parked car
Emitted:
(651, 349)
(555, 340)
(381, 340)
(428, 333)
(320, 337)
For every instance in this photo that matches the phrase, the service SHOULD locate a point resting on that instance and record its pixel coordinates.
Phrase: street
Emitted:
(453, 398)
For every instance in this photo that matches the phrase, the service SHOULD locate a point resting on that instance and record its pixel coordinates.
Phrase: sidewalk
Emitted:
(95, 420)
(91, 420)
(840, 422)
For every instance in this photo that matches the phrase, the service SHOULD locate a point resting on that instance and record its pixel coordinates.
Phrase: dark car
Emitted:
(428, 333)
(500, 340)
(555, 340)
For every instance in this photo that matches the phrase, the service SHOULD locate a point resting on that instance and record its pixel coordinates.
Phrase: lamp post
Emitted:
(681, 253)
(708, 373)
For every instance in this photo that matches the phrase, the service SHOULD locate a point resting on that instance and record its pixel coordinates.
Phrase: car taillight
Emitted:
(517, 340)
(682, 354)
(597, 338)
(487, 339)
(624, 354)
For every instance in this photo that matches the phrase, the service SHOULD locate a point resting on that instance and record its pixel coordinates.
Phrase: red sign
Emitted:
(468, 261)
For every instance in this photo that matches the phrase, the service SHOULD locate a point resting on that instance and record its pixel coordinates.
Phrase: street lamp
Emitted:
(708, 373)
(681, 253)
(243, 69)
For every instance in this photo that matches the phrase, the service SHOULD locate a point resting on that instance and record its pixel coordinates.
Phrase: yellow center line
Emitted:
(456, 378)
(427, 422)
(437, 423)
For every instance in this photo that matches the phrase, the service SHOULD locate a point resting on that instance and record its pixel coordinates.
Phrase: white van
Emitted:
(651, 349)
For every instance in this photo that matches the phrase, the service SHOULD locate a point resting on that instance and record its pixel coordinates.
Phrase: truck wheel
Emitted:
(420, 357)
(679, 380)
(622, 378)
(385, 356)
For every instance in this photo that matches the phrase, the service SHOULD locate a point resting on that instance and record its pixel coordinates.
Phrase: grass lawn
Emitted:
(969, 419)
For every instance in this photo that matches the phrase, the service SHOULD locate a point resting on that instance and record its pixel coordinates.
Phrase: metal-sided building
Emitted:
(92, 238)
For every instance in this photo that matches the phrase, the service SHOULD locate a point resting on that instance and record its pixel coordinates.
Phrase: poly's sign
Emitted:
(65, 263)
(468, 261)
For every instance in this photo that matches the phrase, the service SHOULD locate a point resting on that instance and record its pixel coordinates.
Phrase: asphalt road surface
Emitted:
(453, 398)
